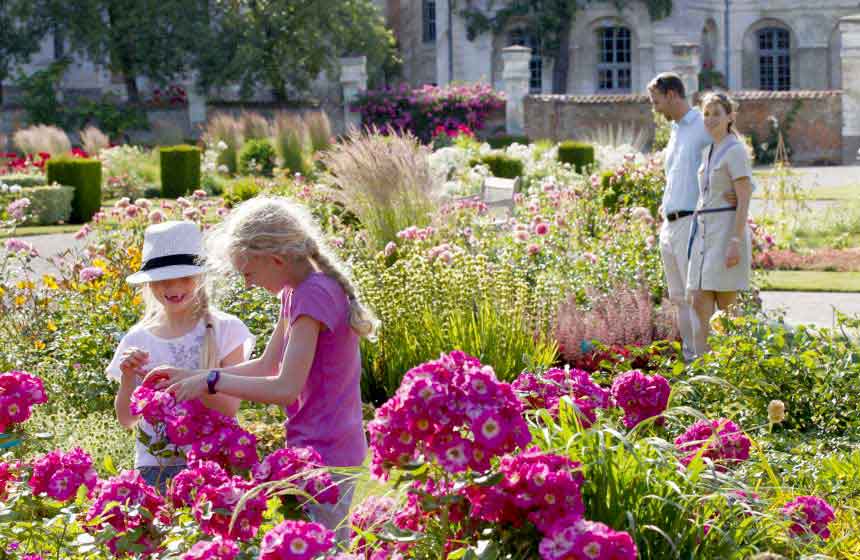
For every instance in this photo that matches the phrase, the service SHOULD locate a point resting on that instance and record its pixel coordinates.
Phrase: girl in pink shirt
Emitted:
(311, 365)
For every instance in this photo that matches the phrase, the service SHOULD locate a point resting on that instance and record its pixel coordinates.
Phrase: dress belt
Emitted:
(694, 228)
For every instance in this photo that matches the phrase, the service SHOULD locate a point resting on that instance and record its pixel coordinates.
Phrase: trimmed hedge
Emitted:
(503, 141)
(501, 165)
(49, 204)
(180, 170)
(85, 175)
(23, 180)
(579, 154)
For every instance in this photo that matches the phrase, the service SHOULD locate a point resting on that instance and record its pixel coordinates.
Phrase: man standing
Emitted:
(683, 156)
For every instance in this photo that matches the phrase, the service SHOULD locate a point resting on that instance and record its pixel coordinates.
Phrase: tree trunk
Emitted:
(1, 92)
(131, 88)
(562, 61)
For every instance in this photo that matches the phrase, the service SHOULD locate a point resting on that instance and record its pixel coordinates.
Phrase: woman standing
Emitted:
(719, 249)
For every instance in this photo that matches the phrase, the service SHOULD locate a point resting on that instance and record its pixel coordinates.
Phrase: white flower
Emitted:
(15, 189)
(221, 145)
(223, 168)
(4, 187)
(776, 411)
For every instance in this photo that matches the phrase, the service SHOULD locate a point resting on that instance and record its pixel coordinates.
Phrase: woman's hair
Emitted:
(276, 226)
(152, 308)
(729, 105)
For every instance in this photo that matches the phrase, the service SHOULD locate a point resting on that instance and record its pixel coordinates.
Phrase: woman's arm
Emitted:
(122, 402)
(281, 389)
(743, 188)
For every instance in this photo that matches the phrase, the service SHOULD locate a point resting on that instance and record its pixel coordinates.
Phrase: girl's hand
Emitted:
(733, 252)
(164, 376)
(189, 388)
(132, 362)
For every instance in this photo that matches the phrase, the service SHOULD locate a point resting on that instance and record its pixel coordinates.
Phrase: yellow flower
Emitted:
(137, 300)
(51, 326)
(20, 300)
(49, 282)
(776, 411)
(100, 263)
(2, 291)
(718, 322)
(25, 285)
(39, 345)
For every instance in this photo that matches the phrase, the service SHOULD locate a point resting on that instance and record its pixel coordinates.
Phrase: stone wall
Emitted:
(815, 137)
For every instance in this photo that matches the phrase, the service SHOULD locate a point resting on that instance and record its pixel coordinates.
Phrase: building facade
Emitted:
(750, 44)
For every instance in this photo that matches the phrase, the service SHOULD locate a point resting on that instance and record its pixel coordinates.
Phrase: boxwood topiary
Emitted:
(579, 154)
(85, 175)
(501, 165)
(180, 170)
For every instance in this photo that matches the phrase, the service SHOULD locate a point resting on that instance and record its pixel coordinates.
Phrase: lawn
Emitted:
(810, 281)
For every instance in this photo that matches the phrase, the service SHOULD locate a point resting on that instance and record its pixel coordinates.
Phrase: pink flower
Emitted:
(575, 538)
(156, 216)
(390, 248)
(19, 391)
(533, 249)
(17, 208)
(122, 202)
(89, 274)
(722, 440)
(83, 232)
(810, 514)
(297, 464)
(641, 396)
(542, 228)
(296, 540)
(15, 245)
(218, 548)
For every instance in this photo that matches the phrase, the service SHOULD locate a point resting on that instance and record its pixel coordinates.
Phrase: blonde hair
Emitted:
(729, 105)
(152, 308)
(276, 226)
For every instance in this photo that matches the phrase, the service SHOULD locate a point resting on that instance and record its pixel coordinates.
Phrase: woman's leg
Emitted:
(703, 305)
(726, 302)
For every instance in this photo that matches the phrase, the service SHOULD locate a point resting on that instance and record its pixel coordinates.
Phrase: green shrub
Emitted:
(180, 170)
(579, 154)
(242, 190)
(49, 204)
(85, 175)
(503, 141)
(501, 165)
(257, 157)
(23, 180)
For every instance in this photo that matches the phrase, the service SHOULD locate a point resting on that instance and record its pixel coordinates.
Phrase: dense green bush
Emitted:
(578, 154)
(241, 190)
(180, 170)
(257, 157)
(501, 165)
(23, 180)
(503, 141)
(85, 175)
(49, 204)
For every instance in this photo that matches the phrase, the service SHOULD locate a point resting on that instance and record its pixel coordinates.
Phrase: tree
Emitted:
(153, 38)
(286, 44)
(23, 25)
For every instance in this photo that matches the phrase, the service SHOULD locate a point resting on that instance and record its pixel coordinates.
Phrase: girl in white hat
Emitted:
(178, 328)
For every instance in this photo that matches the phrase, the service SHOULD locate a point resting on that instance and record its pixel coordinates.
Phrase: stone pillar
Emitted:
(685, 63)
(444, 42)
(849, 27)
(196, 106)
(353, 80)
(515, 80)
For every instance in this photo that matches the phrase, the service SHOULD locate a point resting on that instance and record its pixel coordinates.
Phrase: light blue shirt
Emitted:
(683, 158)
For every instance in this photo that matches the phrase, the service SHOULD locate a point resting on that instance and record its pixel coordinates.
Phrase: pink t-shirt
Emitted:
(327, 415)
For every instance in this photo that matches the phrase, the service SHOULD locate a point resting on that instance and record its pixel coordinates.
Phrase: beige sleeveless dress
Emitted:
(716, 223)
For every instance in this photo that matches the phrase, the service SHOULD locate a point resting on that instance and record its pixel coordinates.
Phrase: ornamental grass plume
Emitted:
(255, 126)
(42, 138)
(384, 180)
(94, 140)
(227, 129)
(621, 316)
(292, 142)
(319, 130)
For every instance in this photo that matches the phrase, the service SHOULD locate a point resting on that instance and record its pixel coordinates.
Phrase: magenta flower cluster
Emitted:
(640, 396)
(536, 486)
(213, 495)
(298, 464)
(547, 390)
(721, 440)
(810, 514)
(216, 549)
(19, 392)
(296, 540)
(424, 110)
(212, 436)
(124, 503)
(452, 410)
(59, 475)
(573, 538)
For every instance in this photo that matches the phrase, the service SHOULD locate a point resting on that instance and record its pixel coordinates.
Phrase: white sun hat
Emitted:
(170, 250)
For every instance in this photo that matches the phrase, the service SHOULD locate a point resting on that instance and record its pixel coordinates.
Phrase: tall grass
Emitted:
(42, 138)
(255, 126)
(620, 134)
(227, 129)
(384, 180)
(319, 130)
(292, 141)
(94, 140)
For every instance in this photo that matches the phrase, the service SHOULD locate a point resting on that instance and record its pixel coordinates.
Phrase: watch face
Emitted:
(211, 377)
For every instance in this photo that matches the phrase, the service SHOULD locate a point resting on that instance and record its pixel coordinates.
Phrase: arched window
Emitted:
(428, 20)
(613, 60)
(774, 59)
(523, 38)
